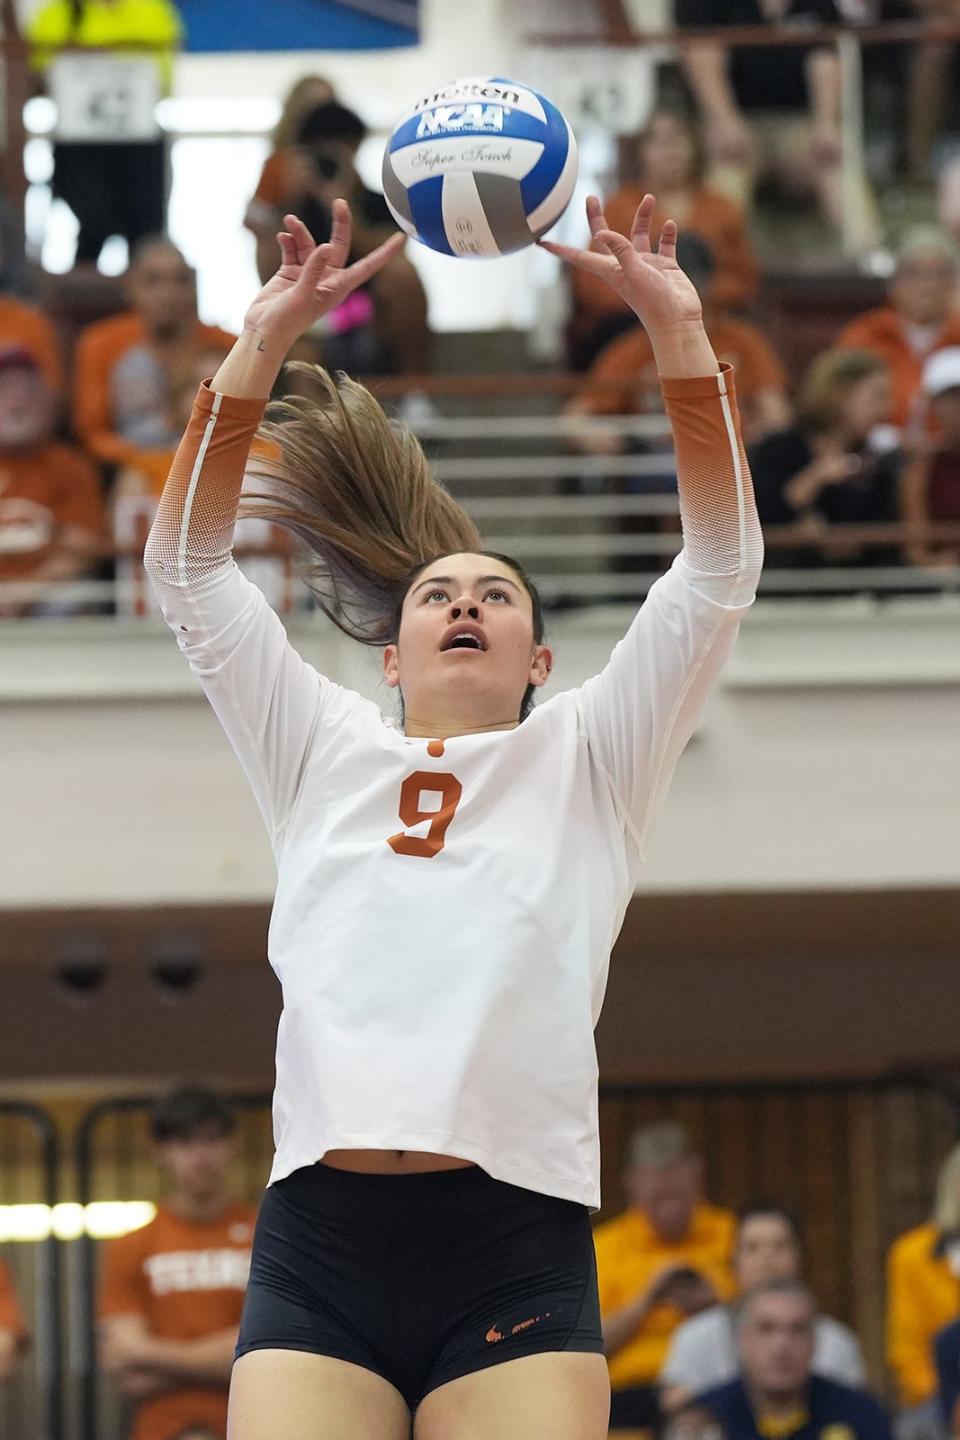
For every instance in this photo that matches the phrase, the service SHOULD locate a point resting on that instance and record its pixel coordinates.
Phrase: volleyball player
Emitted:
(449, 885)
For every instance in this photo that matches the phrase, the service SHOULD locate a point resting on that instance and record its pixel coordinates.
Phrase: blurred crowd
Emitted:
(868, 434)
(711, 1326)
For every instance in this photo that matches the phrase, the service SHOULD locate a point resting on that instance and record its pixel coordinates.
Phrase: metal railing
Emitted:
(589, 527)
(33, 1404)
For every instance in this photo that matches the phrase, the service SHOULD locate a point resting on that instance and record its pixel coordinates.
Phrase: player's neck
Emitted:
(426, 729)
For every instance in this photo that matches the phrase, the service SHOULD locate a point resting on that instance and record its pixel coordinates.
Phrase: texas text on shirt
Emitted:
(186, 1279)
(487, 905)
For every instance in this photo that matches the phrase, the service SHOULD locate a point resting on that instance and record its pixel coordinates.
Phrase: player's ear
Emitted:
(541, 665)
(391, 666)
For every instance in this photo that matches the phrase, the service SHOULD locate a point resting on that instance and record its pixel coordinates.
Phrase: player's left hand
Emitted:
(650, 281)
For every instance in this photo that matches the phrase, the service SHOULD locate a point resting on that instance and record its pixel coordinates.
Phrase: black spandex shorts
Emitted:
(420, 1278)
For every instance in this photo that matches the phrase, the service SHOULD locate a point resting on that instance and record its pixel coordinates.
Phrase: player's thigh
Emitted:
(296, 1395)
(557, 1395)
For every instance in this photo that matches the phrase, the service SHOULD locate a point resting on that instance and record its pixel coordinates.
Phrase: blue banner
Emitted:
(219, 25)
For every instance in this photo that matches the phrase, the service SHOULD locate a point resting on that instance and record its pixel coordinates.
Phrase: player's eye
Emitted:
(496, 595)
(436, 593)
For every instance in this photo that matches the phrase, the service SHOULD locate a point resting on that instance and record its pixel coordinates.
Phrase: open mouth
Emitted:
(464, 640)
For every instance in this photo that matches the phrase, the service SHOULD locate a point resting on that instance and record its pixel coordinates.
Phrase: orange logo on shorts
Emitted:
(493, 1334)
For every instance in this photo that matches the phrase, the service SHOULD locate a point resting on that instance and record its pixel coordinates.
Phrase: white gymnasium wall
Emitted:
(827, 758)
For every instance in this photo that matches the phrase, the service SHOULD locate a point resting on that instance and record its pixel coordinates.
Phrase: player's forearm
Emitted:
(721, 530)
(683, 350)
(250, 370)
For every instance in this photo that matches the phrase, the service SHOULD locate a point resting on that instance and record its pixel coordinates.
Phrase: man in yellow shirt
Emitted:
(107, 63)
(664, 1259)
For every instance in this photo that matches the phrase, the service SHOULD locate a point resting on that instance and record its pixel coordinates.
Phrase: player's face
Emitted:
(766, 1250)
(776, 1344)
(466, 651)
(197, 1166)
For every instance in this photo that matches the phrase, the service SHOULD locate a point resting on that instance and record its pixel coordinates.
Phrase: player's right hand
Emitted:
(313, 279)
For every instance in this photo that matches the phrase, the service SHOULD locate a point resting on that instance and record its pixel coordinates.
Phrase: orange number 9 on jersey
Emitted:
(412, 812)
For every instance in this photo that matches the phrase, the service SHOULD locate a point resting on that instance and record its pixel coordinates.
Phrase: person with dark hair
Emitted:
(381, 327)
(670, 162)
(702, 1354)
(172, 1292)
(449, 887)
(284, 171)
(124, 365)
(776, 1392)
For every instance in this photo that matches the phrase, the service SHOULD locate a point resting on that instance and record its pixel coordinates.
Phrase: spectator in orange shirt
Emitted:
(52, 521)
(286, 169)
(919, 319)
(671, 166)
(124, 364)
(623, 380)
(667, 1257)
(27, 327)
(172, 1293)
(13, 1331)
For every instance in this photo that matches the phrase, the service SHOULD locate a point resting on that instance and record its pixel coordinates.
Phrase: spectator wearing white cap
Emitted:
(930, 487)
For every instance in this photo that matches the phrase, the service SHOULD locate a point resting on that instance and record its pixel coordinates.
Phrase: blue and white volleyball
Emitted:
(480, 167)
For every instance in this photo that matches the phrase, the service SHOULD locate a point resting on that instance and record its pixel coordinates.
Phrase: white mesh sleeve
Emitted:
(267, 698)
(640, 711)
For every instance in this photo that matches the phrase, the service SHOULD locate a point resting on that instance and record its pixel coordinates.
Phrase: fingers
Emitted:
(288, 249)
(640, 229)
(617, 245)
(596, 220)
(363, 270)
(340, 233)
(302, 239)
(667, 244)
(589, 260)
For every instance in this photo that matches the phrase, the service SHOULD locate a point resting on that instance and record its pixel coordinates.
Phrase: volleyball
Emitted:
(480, 167)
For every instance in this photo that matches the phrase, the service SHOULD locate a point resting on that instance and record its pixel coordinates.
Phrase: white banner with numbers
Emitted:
(103, 98)
(609, 86)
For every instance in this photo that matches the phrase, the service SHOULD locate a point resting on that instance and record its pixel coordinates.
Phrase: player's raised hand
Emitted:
(650, 281)
(312, 278)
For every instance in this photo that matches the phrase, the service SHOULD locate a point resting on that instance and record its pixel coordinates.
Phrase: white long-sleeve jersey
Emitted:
(445, 912)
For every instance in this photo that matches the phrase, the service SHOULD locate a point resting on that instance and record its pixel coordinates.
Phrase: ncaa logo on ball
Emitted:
(450, 119)
(480, 167)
